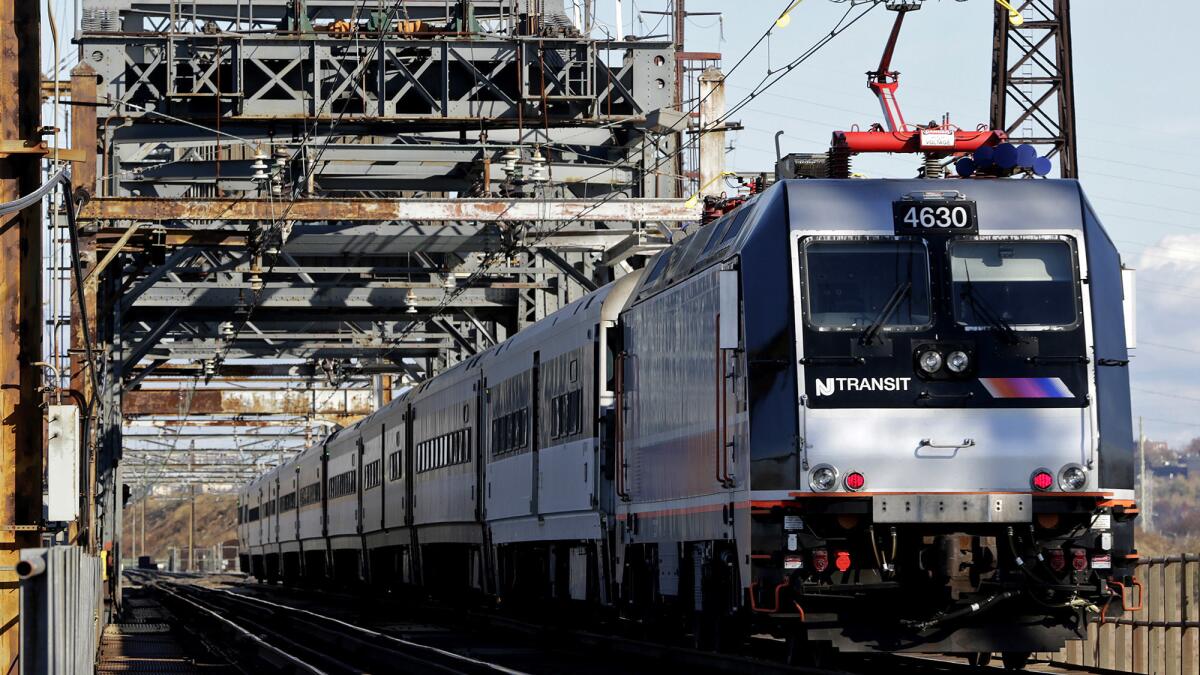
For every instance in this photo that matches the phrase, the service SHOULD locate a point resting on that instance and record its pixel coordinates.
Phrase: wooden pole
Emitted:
(21, 307)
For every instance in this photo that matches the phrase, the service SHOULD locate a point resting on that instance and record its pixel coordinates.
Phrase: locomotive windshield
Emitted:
(856, 285)
(1019, 283)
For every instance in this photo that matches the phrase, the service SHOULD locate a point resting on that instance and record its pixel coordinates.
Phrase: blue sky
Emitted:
(1137, 127)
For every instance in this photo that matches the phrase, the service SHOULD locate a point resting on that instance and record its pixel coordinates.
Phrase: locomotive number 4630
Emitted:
(914, 217)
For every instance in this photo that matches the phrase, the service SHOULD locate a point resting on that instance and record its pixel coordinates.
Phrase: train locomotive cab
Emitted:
(960, 474)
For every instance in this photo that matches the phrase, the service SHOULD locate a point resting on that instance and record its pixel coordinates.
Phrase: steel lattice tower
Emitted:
(1033, 97)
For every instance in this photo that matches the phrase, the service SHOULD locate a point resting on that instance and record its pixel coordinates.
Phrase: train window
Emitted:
(664, 259)
(736, 226)
(574, 370)
(556, 417)
(852, 284)
(1019, 283)
(714, 235)
(395, 468)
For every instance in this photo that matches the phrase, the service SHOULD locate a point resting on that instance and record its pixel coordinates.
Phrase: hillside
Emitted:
(167, 524)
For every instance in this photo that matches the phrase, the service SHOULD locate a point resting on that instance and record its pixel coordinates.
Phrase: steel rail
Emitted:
(694, 660)
(352, 648)
(269, 653)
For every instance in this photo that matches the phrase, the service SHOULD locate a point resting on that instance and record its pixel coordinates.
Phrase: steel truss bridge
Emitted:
(300, 208)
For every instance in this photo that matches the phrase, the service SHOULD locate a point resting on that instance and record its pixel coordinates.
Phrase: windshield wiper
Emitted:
(886, 312)
(994, 320)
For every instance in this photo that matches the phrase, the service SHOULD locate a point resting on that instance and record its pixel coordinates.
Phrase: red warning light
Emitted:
(843, 561)
(820, 560)
(1042, 480)
(855, 481)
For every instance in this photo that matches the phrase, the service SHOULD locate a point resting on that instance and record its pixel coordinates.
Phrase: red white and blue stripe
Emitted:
(1026, 387)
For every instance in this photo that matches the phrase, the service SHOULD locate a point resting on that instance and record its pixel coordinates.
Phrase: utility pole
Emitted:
(142, 547)
(191, 516)
(1146, 479)
(21, 300)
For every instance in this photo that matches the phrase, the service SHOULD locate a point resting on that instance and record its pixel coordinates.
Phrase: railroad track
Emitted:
(306, 631)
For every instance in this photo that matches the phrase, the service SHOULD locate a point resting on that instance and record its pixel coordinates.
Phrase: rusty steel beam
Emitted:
(21, 328)
(83, 135)
(338, 403)
(374, 210)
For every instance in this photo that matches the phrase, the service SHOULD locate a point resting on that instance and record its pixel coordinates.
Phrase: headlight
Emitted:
(1072, 478)
(958, 362)
(823, 478)
(930, 361)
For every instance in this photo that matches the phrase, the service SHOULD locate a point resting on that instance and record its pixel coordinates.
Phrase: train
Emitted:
(865, 415)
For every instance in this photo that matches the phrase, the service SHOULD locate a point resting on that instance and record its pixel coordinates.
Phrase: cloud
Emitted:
(1166, 368)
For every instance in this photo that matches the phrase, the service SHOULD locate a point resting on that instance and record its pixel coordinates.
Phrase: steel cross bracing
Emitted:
(301, 210)
(1033, 98)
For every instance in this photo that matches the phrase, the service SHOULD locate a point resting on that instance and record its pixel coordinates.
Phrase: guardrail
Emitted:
(1163, 638)
(61, 608)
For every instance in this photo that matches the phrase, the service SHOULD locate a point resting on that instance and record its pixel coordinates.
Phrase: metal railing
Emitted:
(61, 610)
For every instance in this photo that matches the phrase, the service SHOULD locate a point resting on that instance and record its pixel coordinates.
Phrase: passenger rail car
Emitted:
(883, 414)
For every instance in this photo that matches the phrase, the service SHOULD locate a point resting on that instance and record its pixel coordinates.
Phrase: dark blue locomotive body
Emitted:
(886, 414)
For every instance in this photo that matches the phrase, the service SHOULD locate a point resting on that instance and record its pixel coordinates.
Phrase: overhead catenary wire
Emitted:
(1164, 394)
(489, 260)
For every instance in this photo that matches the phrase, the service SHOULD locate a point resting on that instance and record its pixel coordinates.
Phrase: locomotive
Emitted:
(882, 415)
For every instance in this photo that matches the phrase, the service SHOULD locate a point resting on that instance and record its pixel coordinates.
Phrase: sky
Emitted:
(1136, 120)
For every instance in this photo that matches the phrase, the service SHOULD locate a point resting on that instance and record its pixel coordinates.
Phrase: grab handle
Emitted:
(966, 443)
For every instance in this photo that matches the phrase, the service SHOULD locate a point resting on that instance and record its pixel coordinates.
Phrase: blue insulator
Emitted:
(965, 166)
(1026, 154)
(984, 157)
(1006, 156)
(1042, 166)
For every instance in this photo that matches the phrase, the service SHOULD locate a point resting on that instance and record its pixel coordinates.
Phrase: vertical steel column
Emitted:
(712, 138)
(678, 35)
(83, 137)
(21, 304)
(1033, 92)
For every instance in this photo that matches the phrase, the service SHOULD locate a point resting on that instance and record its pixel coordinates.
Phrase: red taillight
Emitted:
(855, 481)
(820, 560)
(1043, 480)
(843, 561)
(1058, 560)
(1079, 560)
